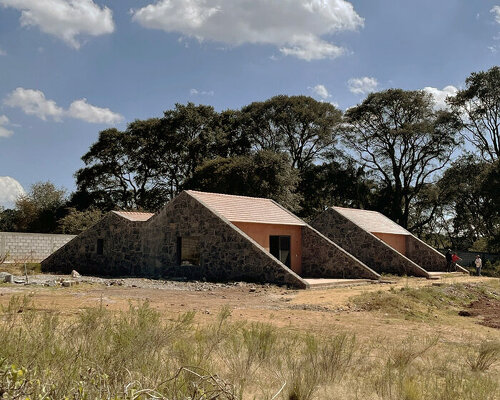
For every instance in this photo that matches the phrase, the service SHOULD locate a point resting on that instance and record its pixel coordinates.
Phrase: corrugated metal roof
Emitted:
(247, 209)
(134, 215)
(372, 221)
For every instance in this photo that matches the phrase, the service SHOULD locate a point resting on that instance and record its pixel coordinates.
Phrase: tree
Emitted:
(263, 174)
(478, 109)
(146, 165)
(123, 169)
(76, 221)
(403, 141)
(471, 202)
(299, 126)
(336, 182)
(40, 208)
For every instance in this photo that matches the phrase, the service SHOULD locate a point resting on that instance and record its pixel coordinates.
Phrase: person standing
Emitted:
(479, 263)
(448, 260)
(454, 259)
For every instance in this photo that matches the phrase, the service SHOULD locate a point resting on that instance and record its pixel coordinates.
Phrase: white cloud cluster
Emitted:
(496, 12)
(196, 92)
(65, 19)
(296, 27)
(10, 190)
(321, 91)
(4, 132)
(33, 102)
(80, 109)
(440, 95)
(363, 85)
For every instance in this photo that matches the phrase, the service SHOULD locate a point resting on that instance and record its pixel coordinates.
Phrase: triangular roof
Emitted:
(372, 221)
(247, 209)
(134, 215)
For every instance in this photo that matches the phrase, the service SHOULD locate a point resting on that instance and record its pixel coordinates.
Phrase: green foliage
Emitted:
(400, 138)
(76, 221)
(477, 106)
(40, 208)
(299, 126)
(263, 174)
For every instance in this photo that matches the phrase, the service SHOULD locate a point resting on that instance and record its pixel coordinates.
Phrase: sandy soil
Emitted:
(324, 310)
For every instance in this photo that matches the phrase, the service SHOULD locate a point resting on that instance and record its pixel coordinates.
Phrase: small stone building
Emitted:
(213, 236)
(379, 242)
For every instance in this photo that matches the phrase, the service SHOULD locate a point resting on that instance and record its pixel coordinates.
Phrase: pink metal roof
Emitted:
(247, 209)
(134, 215)
(372, 221)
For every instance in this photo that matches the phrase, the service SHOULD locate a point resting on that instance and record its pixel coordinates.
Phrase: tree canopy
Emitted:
(403, 141)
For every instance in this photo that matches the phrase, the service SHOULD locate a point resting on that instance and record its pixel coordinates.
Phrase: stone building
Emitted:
(380, 243)
(212, 236)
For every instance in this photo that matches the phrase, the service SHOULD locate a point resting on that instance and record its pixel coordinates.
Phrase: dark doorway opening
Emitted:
(279, 247)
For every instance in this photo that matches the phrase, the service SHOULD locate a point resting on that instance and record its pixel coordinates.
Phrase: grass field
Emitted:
(402, 341)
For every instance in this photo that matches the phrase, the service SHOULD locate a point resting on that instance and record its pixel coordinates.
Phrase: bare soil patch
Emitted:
(487, 310)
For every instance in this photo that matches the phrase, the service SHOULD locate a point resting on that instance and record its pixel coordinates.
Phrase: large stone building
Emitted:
(224, 237)
(380, 243)
(212, 236)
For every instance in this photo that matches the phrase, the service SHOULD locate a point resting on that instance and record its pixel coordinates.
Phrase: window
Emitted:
(100, 246)
(188, 250)
(279, 247)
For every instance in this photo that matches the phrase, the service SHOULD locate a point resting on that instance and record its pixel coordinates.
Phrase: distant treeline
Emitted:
(434, 171)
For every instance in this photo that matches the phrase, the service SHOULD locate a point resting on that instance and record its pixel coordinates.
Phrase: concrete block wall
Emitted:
(365, 246)
(30, 247)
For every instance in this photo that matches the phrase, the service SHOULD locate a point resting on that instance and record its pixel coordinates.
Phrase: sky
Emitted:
(71, 68)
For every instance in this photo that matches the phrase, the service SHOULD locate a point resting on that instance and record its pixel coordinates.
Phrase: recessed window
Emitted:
(188, 250)
(100, 247)
(279, 247)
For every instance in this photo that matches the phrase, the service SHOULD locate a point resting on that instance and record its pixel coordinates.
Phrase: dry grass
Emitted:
(142, 353)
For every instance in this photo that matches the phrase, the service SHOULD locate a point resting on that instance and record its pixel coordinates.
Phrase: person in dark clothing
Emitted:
(448, 256)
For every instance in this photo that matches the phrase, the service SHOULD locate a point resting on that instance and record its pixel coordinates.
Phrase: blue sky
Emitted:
(71, 68)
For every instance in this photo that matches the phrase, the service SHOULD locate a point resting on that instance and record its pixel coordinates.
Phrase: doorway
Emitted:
(279, 247)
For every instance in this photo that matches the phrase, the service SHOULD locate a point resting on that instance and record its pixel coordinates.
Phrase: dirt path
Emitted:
(316, 310)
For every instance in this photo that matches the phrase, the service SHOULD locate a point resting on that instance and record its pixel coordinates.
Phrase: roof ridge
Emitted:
(228, 195)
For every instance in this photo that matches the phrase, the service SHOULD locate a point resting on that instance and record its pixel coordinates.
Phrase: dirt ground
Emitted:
(324, 310)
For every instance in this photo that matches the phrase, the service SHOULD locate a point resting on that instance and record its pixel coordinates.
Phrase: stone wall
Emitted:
(30, 247)
(122, 250)
(321, 258)
(226, 252)
(426, 256)
(150, 248)
(365, 246)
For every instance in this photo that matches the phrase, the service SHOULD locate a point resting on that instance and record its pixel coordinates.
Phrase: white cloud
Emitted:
(296, 27)
(33, 102)
(441, 95)
(496, 11)
(87, 112)
(196, 92)
(4, 132)
(321, 91)
(65, 19)
(363, 85)
(10, 190)
(2, 52)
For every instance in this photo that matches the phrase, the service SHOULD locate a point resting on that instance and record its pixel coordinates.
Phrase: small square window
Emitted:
(188, 250)
(100, 247)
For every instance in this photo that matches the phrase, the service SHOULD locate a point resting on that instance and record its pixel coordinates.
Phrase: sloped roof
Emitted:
(247, 209)
(372, 221)
(134, 215)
